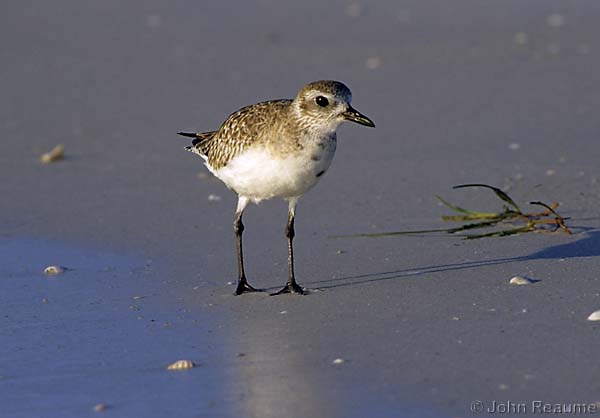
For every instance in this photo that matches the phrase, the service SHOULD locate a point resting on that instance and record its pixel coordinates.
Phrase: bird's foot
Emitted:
(291, 288)
(244, 287)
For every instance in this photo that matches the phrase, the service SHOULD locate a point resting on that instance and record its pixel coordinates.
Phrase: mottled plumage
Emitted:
(279, 148)
(250, 125)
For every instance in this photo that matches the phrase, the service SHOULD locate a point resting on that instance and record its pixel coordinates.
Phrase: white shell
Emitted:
(594, 316)
(181, 365)
(57, 153)
(521, 280)
(338, 361)
(101, 407)
(53, 270)
(373, 63)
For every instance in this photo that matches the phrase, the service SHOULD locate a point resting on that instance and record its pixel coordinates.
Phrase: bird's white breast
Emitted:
(261, 173)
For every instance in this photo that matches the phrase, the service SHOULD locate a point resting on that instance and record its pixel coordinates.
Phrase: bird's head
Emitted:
(326, 104)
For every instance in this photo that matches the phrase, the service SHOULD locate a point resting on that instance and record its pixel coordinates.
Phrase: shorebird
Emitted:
(278, 148)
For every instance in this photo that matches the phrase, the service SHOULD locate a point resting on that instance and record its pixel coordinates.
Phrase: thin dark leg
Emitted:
(238, 229)
(291, 286)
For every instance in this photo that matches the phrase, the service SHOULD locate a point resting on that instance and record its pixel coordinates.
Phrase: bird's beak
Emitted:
(354, 115)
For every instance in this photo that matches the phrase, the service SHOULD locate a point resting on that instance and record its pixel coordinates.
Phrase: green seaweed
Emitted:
(510, 221)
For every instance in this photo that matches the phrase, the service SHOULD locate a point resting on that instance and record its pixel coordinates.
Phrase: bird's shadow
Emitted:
(588, 246)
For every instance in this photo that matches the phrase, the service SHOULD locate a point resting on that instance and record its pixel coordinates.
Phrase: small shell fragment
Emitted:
(56, 154)
(521, 38)
(53, 270)
(521, 280)
(181, 365)
(338, 361)
(594, 316)
(373, 63)
(101, 407)
(555, 20)
(354, 9)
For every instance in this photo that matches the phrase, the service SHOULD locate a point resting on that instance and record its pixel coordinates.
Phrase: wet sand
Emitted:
(501, 93)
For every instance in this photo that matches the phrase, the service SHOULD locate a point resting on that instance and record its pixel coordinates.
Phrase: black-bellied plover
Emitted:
(279, 148)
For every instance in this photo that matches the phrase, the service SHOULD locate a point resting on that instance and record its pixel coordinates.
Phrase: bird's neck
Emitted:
(313, 127)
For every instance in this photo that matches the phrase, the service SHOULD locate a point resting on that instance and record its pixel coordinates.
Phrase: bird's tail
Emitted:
(188, 134)
(194, 135)
(200, 142)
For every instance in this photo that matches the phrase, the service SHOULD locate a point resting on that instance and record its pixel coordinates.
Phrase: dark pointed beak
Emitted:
(354, 115)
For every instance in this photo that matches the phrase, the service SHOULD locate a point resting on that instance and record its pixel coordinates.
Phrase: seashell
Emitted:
(521, 280)
(373, 63)
(555, 20)
(521, 38)
(101, 407)
(53, 270)
(354, 9)
(57, 154)
(338, 361)
(181, 365)
(594, 316)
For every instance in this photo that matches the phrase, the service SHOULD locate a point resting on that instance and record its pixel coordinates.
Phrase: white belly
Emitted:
(259, 175)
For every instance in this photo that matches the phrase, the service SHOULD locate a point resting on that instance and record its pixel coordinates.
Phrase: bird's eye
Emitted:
(322, 101)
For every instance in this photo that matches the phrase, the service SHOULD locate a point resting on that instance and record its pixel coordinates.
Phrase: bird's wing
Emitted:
(240, 130)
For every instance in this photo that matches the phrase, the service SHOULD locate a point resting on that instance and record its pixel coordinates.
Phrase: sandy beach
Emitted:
(502, 93)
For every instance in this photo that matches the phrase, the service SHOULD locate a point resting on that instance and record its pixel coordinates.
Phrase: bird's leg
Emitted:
(291, 286)
(238, 229)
